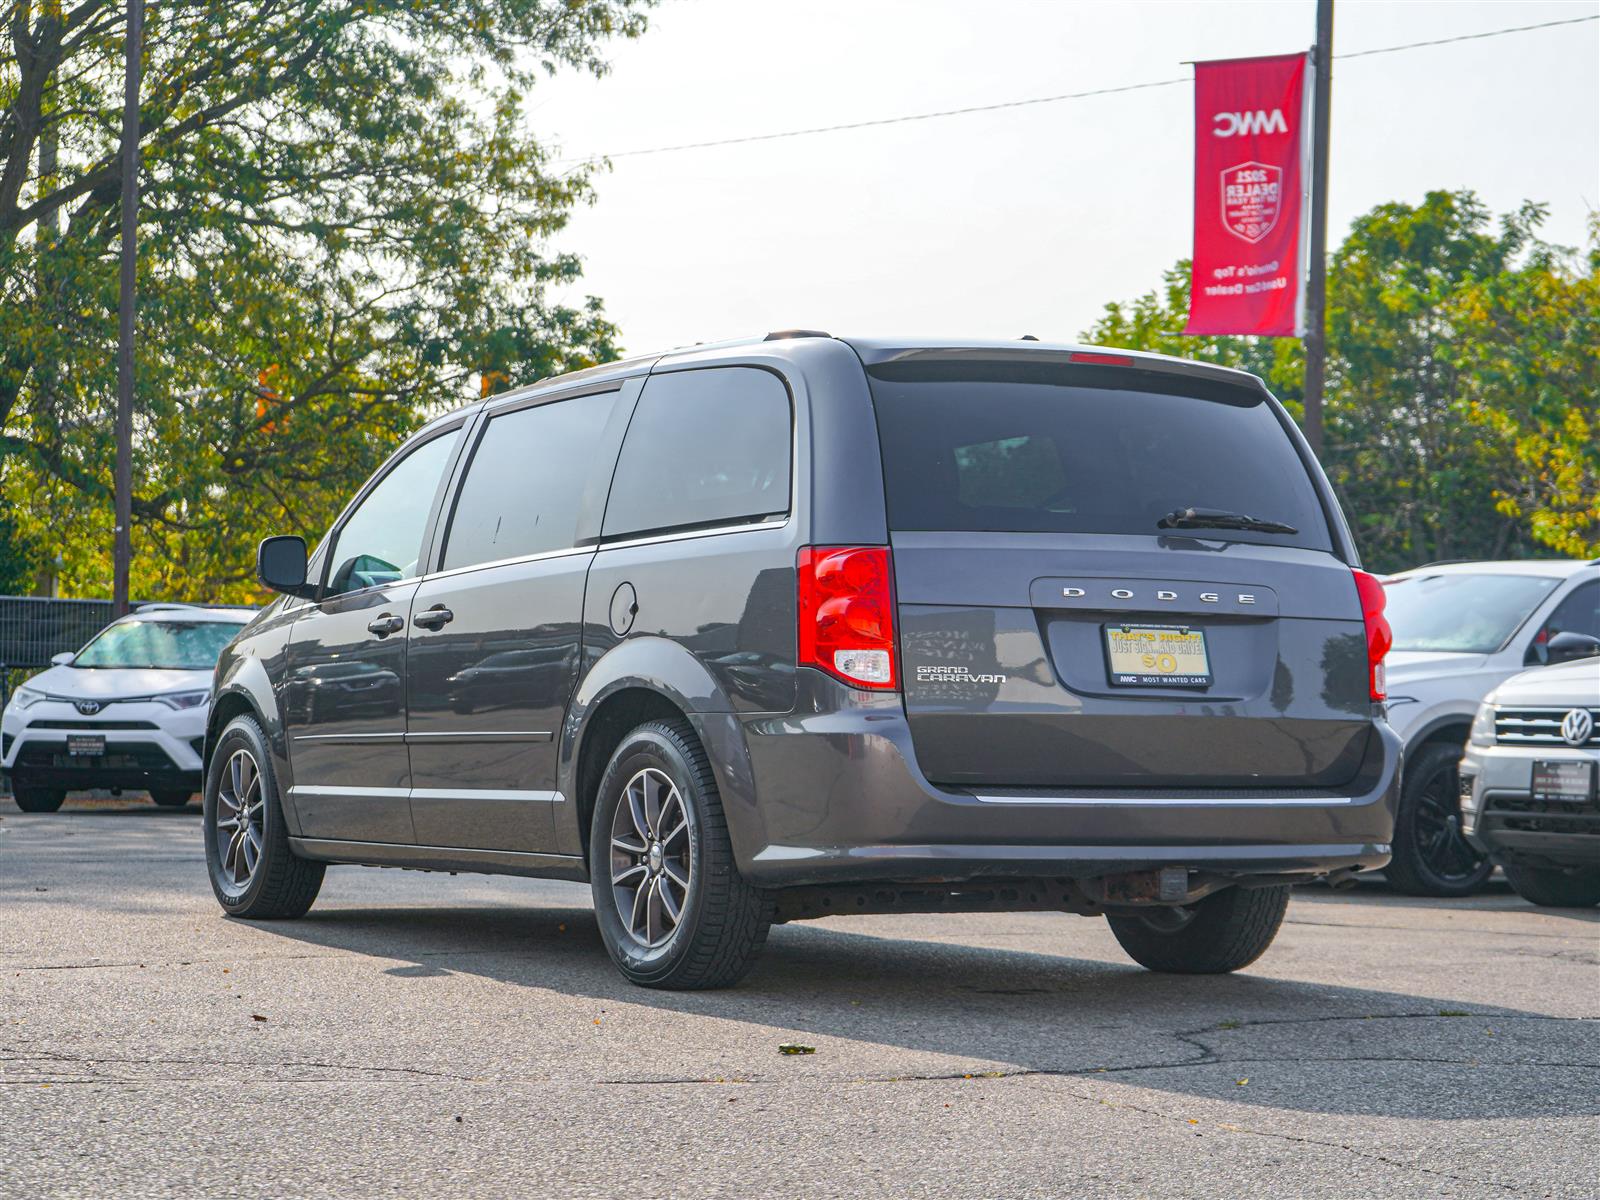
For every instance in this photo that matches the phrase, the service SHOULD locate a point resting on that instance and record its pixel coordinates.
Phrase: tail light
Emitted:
(1379, 635)
(847, 614)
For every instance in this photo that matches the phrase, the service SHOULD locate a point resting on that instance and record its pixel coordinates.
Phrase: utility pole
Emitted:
(1316, 336)
(122, 548)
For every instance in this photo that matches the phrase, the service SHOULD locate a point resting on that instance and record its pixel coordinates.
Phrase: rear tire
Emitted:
(264, 880)
(171, 799)
(1551, 887)
(38, 799)
(682, 836)
(1431, 857)
(1225, 931)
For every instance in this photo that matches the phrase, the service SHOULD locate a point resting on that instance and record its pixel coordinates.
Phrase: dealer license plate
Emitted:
(1157, 656)
(1563, 779)
(92, 744)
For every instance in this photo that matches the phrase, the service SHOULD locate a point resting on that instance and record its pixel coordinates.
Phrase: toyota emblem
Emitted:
(89, 707)
(1576, 726)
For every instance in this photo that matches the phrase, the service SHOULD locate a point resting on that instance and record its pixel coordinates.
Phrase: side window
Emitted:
(704, 448)
(526, 481)
(1578, 613)
(382, 540)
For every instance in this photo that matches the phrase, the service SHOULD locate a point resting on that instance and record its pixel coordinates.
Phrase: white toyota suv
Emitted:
(127, 711)
(1461, 629)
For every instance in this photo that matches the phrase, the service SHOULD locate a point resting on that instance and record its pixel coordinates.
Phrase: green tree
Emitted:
(1461, 368)
(345, 220)
(1532, 365)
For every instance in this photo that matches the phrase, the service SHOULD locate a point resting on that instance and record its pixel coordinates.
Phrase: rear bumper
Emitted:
(842, 801)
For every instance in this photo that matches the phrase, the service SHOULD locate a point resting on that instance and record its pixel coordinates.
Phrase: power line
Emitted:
(981, 108)
(1469, 37)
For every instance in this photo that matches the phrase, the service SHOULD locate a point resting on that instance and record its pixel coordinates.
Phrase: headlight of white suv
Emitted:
(182, 700)
(1483, 726)
(26, 697)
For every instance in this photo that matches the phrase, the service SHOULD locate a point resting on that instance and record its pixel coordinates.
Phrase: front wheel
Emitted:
(674, 912)
(1551, 887)
(38, 799)
(1224, 932)
(253, 872)
(1431, 856)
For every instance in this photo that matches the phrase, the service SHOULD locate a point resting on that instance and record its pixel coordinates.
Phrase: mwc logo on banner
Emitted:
(1249, 173)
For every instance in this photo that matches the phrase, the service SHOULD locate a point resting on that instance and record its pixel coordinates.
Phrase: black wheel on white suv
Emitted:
(171, 798)
(673, 910)
(1552, 887)
(1227, 930)
(32, 799)
(253, 871)
(1431, 855)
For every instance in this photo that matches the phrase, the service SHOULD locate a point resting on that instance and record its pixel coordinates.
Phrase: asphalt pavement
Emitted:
(466, 1036)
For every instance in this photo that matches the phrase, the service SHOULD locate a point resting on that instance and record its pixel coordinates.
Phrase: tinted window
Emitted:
(1465, 614)
(1050, 449)
(525, 484)
(1578, 613)
(382, 540)
(703, 448)
(159, 645)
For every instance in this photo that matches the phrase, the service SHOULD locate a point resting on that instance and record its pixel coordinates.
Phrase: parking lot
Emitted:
(433, 1035)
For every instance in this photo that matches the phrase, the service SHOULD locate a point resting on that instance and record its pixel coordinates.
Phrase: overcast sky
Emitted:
(1025, 220)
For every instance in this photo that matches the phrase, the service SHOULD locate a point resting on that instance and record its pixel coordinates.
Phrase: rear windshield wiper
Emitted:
(1218, 518)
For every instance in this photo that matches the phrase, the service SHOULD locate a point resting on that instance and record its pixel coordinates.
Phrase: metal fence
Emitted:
(33, 629)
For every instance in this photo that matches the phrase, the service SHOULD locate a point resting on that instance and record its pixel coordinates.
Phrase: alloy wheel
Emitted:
(241, 816)
(652, 869)
(1444, 849)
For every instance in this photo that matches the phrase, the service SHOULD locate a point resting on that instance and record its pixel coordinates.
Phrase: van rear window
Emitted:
(1060, 449)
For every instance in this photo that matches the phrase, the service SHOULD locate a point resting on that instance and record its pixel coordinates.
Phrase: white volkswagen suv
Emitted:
(1461, 629)
(1528, 782)
(127, 711)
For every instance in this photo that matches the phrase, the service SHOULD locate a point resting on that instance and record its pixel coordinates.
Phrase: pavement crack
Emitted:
(14, 1054)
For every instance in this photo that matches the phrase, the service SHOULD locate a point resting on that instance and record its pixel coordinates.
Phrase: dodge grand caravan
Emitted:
(806, 626)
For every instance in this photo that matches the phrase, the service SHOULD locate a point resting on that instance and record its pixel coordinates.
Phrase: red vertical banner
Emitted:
(1249, 173)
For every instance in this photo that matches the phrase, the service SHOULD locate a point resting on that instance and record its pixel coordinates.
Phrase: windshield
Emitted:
(161, 645)
(1045, 448)
(1464, 614)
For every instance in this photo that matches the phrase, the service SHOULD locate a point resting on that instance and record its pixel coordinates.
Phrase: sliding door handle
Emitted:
(436, 617)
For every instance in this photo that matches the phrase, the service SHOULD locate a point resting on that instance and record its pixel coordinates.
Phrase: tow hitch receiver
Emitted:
(1168, 885)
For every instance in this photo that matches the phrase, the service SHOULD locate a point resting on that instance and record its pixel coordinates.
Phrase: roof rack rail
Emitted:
(783, 335)
(1441, 562)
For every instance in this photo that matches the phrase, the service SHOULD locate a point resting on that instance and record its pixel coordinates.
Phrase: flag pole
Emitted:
(122, 545)
(1316, 334)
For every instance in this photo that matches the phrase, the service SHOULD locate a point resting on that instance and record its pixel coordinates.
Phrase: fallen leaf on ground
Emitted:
(795, 1048)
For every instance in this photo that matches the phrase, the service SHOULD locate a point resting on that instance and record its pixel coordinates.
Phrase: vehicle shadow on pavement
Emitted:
(1369, 1052)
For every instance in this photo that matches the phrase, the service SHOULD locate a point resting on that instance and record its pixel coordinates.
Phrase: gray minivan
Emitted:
(805, 626)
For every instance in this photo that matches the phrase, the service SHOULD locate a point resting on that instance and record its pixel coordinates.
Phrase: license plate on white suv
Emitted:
(90, 745)
(1157, 656)
(1563, 779)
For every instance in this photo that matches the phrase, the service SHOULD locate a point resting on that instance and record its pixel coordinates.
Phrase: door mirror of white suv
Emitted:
(1570, 647)
(62, 659)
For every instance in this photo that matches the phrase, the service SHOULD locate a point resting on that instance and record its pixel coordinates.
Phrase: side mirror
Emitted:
(62, 659)
(1570, 647)
(281, 565)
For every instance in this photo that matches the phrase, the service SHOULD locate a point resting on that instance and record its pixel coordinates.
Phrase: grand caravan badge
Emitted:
(943, 673)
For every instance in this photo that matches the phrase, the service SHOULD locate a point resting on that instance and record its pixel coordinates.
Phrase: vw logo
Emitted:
(89, 707)
(1576, 726)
